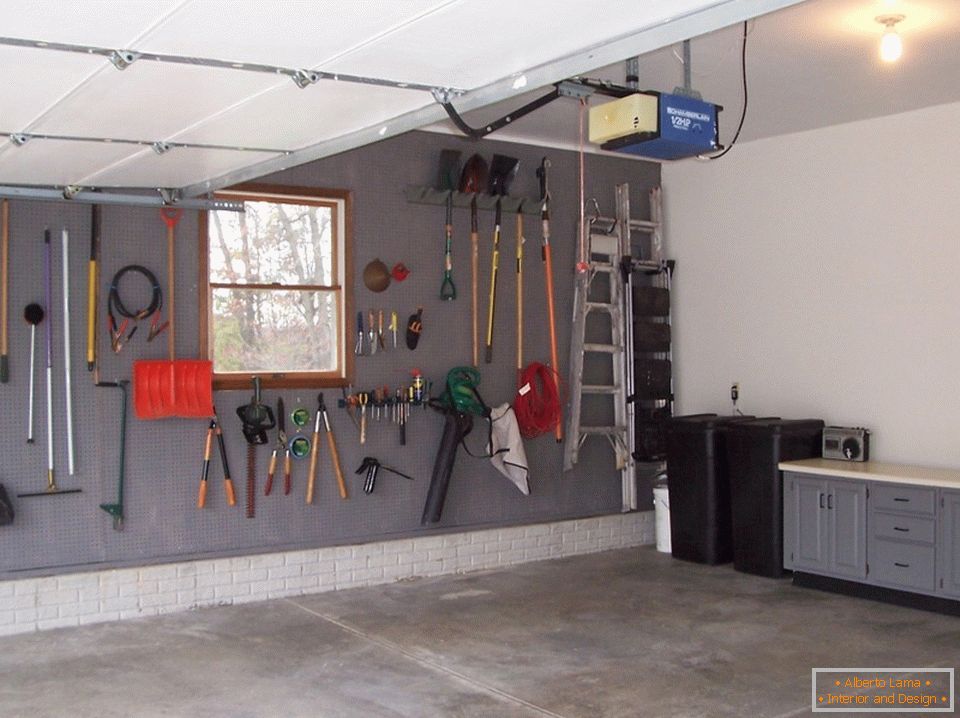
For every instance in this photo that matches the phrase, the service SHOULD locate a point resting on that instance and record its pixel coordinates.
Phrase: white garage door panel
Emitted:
(57, 162)
(289, 117)
(473, 44)
(22, 97)
(294, 33)
(176, 168)
(151, 101)
(103, 23)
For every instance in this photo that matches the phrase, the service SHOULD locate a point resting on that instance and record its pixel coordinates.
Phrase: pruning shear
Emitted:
(284, 446)
(372, 332)
(393, 327)
(380, 331)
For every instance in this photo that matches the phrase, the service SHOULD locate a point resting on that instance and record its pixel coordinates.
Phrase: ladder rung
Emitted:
(600, 389)
(603, 430)
(608, 268)
(604, 306)
(645, 225)
(602, 348)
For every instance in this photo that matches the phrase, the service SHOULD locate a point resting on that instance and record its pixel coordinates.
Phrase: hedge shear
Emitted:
(284, 446)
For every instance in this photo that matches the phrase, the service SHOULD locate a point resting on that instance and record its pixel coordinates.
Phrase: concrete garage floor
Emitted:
(624, 633)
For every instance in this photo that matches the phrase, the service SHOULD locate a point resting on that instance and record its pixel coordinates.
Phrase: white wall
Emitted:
(821, 270)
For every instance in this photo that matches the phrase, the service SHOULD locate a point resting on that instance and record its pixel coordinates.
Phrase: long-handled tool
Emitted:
(52, 487)
(256, 418)
(492, 299)
(315, 447)
(93, 280)
(449, 169)
(214, 430)
(548, 270)
(502, 171)
(33, 314)
(520, 241)
(67, 364)
(116, 509)
(472, 180)
(282, 446)
(4, 292)
(332, 443)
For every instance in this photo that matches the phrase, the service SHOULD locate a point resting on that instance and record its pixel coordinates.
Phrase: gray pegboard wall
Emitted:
(164, 457)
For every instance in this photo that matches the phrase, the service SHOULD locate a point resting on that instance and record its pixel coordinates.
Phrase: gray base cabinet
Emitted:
(898, 536)
(827, 520)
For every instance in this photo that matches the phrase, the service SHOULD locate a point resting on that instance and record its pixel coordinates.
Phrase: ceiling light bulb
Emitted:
(891, 45)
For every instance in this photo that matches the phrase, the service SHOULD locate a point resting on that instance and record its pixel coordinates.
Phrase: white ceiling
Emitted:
(810, 65)
(478, 47)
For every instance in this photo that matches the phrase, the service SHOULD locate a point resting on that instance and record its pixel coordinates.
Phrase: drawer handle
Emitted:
(897, 528)
(829, 501)
(820, 499)
(901, 565)
(903, 501)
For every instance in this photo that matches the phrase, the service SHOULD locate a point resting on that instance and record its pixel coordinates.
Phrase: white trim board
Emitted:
(33, 604)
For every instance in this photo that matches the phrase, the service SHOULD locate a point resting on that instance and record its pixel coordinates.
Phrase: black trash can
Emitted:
(699, 488)
(754, 448)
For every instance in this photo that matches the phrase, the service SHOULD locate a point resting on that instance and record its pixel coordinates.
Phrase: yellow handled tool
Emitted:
(492, 307)
(93, 282)
(314, 448)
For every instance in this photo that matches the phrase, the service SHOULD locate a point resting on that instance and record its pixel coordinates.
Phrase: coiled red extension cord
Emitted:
(538, 408)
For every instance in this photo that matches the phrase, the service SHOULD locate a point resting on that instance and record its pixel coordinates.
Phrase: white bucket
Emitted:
(661, 504)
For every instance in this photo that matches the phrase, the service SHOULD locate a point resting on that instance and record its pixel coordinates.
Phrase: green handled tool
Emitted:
(116, 509)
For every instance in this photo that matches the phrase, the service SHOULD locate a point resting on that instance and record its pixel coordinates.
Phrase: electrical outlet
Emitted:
(734, 392)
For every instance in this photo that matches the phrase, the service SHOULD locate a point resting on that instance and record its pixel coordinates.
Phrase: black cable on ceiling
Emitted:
(743, 113)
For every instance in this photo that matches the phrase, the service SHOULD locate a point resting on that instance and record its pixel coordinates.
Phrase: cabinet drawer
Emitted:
(902, 564)
(894, 497)
(902, 528)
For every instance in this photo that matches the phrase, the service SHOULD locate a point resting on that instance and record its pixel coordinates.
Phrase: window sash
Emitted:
(342, 232)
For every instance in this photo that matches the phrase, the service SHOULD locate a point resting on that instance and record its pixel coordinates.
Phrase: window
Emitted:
(274, 287)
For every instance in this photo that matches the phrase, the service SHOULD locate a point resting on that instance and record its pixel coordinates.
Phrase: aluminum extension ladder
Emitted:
(611, 253)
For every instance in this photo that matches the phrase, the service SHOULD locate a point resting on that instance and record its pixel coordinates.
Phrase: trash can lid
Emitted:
(699, 422)
(779, 426)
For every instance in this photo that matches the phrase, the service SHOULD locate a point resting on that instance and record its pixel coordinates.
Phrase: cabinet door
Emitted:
(847, 511)
(810, 525)
(948, 547)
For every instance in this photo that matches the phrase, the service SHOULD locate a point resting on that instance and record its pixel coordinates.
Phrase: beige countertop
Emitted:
(876, 471)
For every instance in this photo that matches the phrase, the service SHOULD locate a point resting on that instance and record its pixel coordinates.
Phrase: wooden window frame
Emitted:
(284, 380)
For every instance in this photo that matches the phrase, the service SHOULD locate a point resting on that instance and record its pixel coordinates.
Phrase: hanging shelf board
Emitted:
(418, 194)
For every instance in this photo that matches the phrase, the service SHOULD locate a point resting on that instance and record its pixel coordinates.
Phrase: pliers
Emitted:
(284, 446)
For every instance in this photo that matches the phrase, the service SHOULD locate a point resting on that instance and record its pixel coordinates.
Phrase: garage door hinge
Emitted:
(122, 59)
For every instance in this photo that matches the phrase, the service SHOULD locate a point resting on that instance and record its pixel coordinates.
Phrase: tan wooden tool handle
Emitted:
(312, 476)
(4, 279)
(270, 472)
(475, 271)
(287, 468)
(548, 264)
(171, 270)
(341, 484)
(231, 495)
(202, 495)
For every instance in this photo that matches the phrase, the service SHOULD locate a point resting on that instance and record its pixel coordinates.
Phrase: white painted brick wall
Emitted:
(37, 604)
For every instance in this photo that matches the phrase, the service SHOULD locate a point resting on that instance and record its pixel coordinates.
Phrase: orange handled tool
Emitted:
(283, 446)
(332, 442)
(93, 281)
(207, 450)
(314, 448)
(548, 269)
(214, 428)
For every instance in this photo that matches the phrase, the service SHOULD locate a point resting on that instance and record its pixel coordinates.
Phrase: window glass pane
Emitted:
(274, 330)
(272, 243)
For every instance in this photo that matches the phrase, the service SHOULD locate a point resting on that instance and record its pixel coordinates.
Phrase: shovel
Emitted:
(176, 387)
(502, 172)
(473, 180)
(449, 170)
